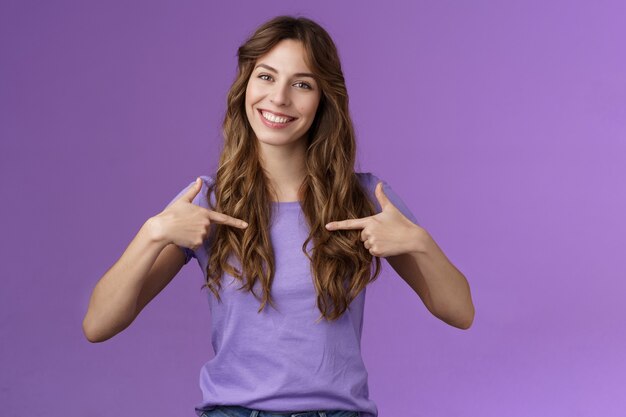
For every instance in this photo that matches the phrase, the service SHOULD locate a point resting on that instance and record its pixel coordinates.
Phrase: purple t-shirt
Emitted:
(282, 360)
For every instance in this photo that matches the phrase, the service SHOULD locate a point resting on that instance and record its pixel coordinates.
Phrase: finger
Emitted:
(226, 219)
(382, 198)
(193, 191)
(348, 224)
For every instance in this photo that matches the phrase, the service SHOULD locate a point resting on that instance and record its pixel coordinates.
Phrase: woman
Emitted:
(285, 211)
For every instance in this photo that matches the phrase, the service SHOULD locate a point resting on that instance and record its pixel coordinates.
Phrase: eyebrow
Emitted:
(299, 74)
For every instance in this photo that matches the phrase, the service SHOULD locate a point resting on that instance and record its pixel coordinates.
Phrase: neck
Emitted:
(285, 168)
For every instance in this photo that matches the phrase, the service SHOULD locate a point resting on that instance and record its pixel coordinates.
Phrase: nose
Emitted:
(280, 95)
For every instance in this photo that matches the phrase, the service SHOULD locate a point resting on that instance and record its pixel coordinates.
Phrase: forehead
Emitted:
(287, 56)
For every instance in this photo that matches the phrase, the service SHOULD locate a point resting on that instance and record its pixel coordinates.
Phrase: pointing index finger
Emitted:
(348, 224)
(226, 219)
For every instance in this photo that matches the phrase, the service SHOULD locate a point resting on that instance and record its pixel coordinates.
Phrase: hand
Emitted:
(385, 234)
(187, 224)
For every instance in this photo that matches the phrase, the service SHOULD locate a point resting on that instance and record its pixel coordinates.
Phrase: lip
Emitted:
(278, 114)
(275, 125)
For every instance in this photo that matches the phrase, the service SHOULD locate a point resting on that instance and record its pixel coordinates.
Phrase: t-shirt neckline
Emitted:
(286, 203)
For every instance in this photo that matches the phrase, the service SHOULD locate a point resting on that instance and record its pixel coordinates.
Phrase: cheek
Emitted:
(251, 100)
(308, 108)
(314, 104)
(252, 92)
(249, 96)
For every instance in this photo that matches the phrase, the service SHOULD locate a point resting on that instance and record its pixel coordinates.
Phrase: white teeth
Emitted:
(275, 119)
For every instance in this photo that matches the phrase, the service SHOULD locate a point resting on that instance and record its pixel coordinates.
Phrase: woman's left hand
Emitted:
(387, 233)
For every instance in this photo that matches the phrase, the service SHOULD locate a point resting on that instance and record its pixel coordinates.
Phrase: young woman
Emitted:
(286, 234)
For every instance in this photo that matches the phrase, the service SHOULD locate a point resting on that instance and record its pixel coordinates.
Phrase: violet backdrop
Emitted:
(502, 125)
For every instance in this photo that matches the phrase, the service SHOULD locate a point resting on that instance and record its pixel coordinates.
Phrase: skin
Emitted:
(149, 263)
(417, 258)
(282, 151)
(408, 248)
(153, 258)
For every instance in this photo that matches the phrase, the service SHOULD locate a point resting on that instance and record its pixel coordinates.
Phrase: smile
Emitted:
(274, 121)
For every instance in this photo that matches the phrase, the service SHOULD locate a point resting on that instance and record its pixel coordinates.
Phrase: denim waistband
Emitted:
(239, 411)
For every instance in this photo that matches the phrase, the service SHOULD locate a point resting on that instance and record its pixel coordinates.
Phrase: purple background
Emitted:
(501, 126)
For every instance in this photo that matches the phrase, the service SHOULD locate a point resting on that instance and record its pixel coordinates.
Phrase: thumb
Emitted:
(193, 191)
(381, 197)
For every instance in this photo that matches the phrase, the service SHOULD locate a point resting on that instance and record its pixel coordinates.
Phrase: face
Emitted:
(281, 95)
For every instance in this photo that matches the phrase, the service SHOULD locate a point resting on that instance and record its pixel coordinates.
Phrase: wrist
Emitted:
(156, 231)
(420, 239)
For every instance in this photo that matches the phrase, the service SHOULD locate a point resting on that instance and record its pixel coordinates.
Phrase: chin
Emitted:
(276, 141)
(278, 138)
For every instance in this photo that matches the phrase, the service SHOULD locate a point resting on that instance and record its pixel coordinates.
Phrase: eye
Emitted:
(304, 85)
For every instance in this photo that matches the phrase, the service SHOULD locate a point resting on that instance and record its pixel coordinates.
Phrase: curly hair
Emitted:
(340, 265)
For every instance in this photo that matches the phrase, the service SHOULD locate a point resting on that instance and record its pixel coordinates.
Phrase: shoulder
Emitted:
(368, 180)
(207, 180)
(201, 198)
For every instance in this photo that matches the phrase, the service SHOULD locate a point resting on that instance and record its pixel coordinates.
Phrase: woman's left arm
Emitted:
(417, 258)
(442, 287)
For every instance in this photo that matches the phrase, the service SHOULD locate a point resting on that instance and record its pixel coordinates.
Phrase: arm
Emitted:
(441, 286)
(147, 265)
(415, 256)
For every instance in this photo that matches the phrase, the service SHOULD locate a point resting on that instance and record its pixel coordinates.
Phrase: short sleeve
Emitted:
(370, 180)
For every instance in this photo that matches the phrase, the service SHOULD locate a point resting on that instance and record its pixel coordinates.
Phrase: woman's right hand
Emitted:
(187, 224)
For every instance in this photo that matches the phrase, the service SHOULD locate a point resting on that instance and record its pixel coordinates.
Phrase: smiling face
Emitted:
(281, 95)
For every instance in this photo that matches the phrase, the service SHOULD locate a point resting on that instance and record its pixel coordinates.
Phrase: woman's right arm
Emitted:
(147, 265)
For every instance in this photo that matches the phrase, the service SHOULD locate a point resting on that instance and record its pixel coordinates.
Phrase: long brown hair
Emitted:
(340, 264)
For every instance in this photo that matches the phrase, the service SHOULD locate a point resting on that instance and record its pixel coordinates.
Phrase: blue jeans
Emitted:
(238, 411)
